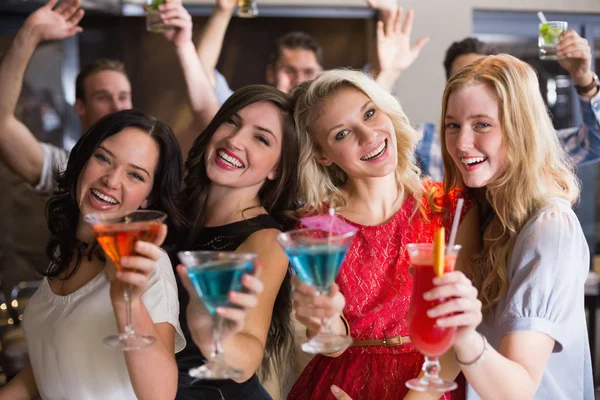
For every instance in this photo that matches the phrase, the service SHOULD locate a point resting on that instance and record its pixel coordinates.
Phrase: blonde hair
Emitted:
(320, 184)
(536, 165)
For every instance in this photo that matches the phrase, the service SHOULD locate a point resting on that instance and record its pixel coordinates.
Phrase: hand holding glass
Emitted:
(154, 23)
(430, 339)
(317, 255)
(118, 235)
(548, 38)
(214, 274)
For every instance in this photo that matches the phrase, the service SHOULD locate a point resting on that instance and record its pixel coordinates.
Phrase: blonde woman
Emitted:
(530, 273)
(356, 154)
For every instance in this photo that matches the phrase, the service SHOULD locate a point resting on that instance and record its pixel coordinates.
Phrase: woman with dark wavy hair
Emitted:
(124, 162)
(240, 186)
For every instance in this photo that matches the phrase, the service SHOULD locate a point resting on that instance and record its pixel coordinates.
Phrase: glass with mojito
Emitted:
(548, 38)
(153, 22)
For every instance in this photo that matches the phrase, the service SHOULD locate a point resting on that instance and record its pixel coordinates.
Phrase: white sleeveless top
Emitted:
(65, 336)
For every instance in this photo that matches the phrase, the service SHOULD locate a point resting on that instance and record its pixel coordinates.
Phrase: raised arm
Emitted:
(213, 34)
(201, 97)
(19, 149)
(395, 54)
(582, 143)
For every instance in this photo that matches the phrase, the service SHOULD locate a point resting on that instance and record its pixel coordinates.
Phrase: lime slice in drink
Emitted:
(550, 33)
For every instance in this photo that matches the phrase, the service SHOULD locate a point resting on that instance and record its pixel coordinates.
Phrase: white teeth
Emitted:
(472, 160)
(230, 160)
(375, 152)
(104, 197)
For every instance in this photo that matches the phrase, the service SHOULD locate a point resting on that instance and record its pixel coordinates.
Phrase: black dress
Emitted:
(227, 238)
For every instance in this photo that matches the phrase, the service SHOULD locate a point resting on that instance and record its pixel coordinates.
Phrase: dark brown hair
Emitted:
(278, 196)
(62, 210)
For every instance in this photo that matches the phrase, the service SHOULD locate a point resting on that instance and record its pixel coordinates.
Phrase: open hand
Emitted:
(394, 49)
(60, 23)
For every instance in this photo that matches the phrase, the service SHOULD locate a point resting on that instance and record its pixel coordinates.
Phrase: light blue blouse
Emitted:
(547, 272)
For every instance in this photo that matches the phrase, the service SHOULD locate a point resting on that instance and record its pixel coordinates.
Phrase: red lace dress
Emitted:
(377, 285)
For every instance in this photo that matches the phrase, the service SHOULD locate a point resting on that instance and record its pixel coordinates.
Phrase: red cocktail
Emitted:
(430, 339)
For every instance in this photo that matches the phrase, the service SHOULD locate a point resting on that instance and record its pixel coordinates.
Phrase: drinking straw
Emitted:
(331, 213)
(459, 207)
(542, 18)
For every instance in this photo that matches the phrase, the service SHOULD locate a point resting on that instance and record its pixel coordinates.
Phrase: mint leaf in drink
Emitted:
(156, 3)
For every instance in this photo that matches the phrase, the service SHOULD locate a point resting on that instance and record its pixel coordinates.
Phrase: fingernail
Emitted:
(427, 295)
(430, 313)
(335, 389)
(437, 281)
(124, 261)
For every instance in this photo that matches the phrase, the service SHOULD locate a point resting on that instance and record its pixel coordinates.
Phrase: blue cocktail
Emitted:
(214, 274)
(317, 255)
(317, 266)
(214, 281)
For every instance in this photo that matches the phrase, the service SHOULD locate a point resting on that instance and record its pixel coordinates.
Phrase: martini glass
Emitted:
(118, 234)
(317, 255)
(214, 274)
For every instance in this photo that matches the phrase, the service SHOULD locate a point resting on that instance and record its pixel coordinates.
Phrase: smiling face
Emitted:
(120, 174)
(245, 151)
(355, 135)
(473, 134)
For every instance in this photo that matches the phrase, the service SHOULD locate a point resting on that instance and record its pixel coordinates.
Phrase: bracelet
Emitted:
(346, 324)
(477, 359)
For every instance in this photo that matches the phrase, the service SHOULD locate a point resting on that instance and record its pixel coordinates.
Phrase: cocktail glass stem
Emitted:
(326, 341)
(128, 324)
(431, 381)
(217, 355)
(431, 368)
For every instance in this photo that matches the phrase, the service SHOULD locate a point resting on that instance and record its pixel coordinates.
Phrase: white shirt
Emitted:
(65, 336)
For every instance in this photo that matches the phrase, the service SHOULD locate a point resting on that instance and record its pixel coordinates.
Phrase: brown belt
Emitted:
(385, 342)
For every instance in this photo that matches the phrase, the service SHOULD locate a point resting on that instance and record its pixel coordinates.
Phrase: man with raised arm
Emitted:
(101, 88)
